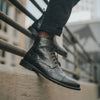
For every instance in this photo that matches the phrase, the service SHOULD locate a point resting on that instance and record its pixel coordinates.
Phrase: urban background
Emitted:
(84, 23)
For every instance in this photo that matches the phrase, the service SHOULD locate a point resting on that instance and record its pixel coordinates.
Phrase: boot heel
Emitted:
(26, 65)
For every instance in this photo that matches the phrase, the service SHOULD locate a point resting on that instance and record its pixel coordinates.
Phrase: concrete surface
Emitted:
(21, 84)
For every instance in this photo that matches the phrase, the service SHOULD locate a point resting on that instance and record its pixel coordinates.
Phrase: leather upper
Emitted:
(42, 55)
(35, 29)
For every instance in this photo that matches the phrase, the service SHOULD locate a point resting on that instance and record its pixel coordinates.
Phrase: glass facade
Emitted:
(1, 5)
(4, 7)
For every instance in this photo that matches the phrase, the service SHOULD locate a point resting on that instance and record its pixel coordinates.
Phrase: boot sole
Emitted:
(31, 67)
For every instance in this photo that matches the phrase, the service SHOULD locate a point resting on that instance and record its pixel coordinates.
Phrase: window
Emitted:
(1, 5)
(0, 24)
(2, 53)
(15, 33)
(13, 59)
(4, 7)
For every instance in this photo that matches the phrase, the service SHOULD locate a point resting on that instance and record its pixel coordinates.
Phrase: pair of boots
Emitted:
(42, 59)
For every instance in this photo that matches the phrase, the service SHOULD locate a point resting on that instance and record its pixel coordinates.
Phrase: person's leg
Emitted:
(56, 16)
(38, 24)
(41, 57)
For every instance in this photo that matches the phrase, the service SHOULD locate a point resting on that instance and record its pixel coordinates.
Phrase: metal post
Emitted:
(20, 52)
(85, 57)
(77, 42)
(95, 74)
(15, 25)
(77, 68)
(12, 49)
(74, 54)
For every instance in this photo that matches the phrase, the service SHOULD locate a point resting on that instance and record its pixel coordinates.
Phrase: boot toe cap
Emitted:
(71, 82)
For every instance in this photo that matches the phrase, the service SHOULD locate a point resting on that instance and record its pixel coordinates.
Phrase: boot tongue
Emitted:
(42, 42)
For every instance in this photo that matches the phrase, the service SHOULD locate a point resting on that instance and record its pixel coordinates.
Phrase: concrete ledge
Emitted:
(21, 84)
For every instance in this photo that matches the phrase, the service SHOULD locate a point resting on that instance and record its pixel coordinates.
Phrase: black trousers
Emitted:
(56, 16)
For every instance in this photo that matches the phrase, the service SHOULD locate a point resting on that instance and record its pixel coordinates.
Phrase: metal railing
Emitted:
(72, 41)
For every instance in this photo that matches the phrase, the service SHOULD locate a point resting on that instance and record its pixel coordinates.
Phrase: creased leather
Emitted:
(34, 29)
(41, 56)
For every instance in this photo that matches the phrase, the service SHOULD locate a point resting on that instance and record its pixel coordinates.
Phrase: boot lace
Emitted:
(54, 57)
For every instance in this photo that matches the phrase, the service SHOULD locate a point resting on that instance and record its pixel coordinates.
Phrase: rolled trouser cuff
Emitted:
(50, 29)
(55, 17)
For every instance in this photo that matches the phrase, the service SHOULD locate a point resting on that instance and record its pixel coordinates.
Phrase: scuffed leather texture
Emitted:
(35, 29)
(42, 56)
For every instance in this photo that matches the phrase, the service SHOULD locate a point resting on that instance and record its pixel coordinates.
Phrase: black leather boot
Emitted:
(41, 58)
(35, 30)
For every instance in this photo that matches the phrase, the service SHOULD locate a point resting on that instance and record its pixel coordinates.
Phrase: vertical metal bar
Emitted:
(20, 52)
(77, 42)
(77, 68)
(95, 74)
(74, 54)
(85, 57)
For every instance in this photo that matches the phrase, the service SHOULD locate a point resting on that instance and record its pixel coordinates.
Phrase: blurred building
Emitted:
(85, 24)
(85, 10)
(88, 35)
(97, 9)
(9, 34)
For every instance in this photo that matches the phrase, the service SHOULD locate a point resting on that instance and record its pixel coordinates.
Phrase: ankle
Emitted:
(45, 35)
